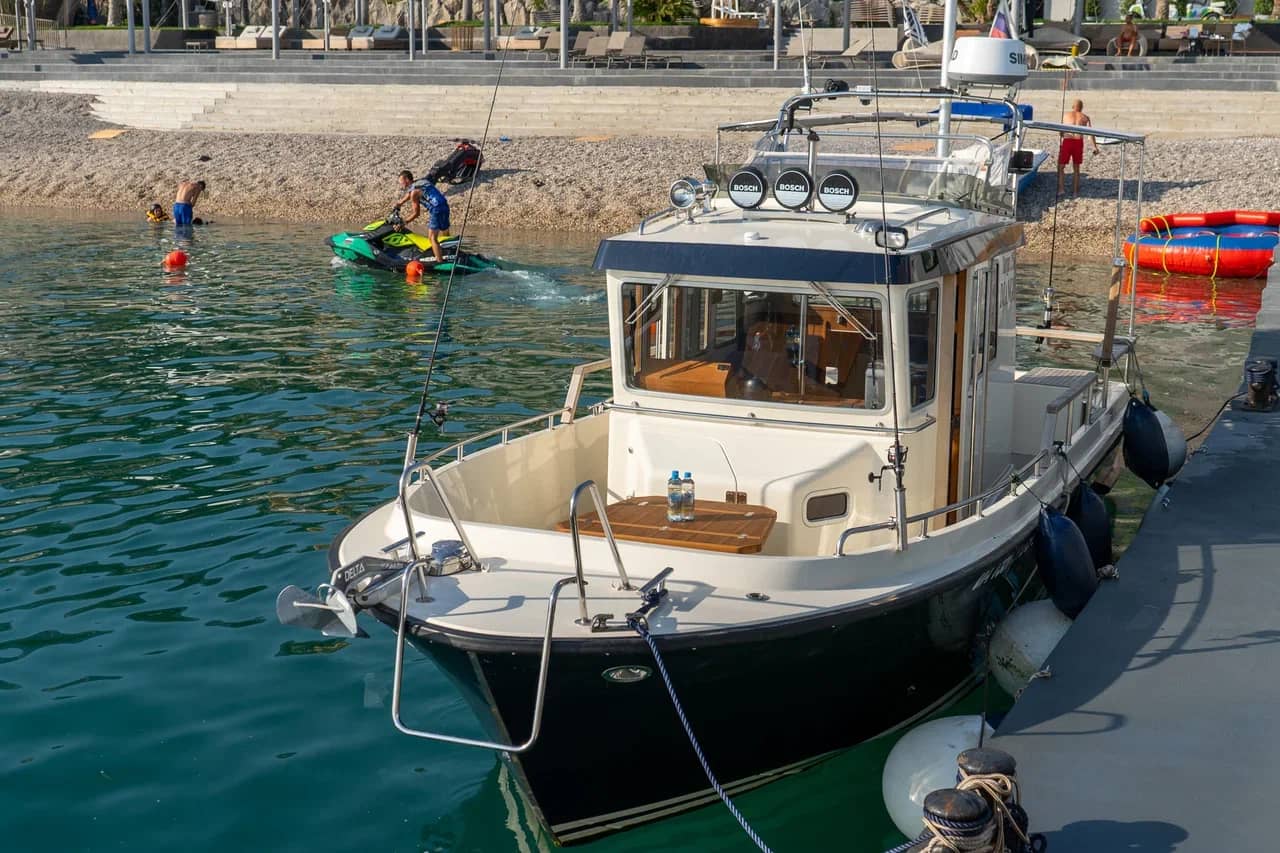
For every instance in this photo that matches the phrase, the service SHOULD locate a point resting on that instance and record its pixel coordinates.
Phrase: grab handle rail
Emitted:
(428, 474)
(590, 487)
(1015, 478)
(540, 692)
(576, 381)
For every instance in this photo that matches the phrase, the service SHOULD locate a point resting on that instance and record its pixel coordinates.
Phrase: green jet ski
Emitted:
(381, 245)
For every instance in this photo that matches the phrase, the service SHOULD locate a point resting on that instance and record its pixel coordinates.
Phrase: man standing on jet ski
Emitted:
(425, 192)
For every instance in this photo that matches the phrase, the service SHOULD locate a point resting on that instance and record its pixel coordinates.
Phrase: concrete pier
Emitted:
(1156, 730)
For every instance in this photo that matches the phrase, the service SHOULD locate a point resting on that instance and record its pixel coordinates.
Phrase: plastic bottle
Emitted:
(686, 495)
(675, 498)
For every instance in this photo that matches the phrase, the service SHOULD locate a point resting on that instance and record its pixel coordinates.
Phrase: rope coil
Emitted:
(1001, 792)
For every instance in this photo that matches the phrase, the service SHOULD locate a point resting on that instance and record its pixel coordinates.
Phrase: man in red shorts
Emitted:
(1072, 148)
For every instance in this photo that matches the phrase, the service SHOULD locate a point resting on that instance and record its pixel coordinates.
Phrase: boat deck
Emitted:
(1155, 730)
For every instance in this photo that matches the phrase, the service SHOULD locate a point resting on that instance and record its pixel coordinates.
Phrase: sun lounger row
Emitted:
(388, 37)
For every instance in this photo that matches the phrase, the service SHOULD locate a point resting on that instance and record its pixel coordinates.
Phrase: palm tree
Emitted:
(115, 8)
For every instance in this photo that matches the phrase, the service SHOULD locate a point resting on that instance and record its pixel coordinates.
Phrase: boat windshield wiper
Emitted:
(821, 290)
(649, 299)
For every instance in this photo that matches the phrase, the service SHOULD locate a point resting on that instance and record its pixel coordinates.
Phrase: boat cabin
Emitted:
(780, 339)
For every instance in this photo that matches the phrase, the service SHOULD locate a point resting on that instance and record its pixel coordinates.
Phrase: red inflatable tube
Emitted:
(1231, 243)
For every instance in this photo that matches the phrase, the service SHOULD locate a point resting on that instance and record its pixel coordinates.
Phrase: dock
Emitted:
(1155, 729)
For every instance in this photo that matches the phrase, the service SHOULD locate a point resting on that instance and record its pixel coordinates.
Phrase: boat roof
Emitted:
(774, 243)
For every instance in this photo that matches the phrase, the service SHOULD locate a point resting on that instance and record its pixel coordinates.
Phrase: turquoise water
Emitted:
(175, 447)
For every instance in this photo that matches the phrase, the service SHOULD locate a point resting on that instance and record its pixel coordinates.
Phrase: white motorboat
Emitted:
(830, 347)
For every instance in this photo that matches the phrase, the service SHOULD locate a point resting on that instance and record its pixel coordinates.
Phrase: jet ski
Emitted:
(381, 245)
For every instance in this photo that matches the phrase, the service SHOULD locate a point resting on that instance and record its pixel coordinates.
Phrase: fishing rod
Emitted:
(440, 413)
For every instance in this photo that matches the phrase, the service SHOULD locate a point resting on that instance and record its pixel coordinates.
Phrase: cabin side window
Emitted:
(755, 345)
(922, 343)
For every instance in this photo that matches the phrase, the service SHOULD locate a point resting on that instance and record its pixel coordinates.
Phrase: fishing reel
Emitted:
(897, 456)
(439, 414)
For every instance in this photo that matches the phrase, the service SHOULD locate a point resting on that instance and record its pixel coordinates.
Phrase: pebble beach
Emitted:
(594, 184)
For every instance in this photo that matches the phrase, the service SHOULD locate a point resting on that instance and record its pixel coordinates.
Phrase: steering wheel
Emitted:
(394, 217)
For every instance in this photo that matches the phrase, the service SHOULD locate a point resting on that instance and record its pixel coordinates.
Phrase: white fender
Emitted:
(923, 761)
(1023, 641)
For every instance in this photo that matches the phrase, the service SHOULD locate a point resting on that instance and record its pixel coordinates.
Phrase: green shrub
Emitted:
(1263, 7)
(1093, 8)
(663, 11)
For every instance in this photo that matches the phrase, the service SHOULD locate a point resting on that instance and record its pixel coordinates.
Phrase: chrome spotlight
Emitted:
(891, 238)
(684, 193)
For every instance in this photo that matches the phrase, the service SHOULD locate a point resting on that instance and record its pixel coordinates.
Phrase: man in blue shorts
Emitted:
(185, 201)
(422, 193)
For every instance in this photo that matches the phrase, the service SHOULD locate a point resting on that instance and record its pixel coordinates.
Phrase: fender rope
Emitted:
(641, 628)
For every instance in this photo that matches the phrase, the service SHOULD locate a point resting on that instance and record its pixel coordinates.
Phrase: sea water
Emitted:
(177, 446)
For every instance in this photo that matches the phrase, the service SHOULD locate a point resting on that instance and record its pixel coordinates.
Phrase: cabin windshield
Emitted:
(974, 174)
(756, 345)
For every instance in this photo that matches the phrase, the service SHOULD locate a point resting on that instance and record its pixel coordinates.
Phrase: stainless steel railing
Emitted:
(423, 467)
(540, 692)
(589, 486)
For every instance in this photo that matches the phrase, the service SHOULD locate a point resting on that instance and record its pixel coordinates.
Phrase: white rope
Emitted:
(999, 790)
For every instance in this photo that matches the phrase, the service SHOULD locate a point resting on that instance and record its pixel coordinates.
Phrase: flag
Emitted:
(1000, 28)
(911, 23)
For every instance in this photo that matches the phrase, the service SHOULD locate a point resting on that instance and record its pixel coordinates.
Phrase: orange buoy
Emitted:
(177, 259)
(414, 269)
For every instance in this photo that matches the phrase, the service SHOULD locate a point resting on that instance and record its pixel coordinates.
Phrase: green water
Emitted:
(175, 447)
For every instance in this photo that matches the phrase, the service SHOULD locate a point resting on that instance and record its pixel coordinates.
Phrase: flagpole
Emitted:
(948, 45)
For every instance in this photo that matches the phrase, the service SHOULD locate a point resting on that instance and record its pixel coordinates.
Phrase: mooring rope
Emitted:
(941, 835)
(641, 628)
(999, 791)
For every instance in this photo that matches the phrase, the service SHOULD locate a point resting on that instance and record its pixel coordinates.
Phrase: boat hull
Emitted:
(764, 701)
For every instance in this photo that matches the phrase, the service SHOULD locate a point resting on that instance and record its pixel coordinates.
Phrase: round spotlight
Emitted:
(793, 188)
(684, 193)
(837, 191)
(747, 188)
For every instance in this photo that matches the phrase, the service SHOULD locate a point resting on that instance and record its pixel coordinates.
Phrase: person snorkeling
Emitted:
(422, 193)
(157, 214)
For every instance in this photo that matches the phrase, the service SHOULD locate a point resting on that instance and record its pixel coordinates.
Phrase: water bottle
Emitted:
(686, 497)
(675, 498)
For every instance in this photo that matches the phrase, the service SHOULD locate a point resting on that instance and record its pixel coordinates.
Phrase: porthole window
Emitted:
(826, 507)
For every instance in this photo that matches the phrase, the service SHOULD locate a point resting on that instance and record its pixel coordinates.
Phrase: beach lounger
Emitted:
(315, 41)
(635, 52)
(597, 52)
(247, 39)
(551, 47)
(845, 58)
(361, 37)
(390, 37)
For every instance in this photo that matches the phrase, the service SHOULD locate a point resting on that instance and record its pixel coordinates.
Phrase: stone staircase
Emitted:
(147, 105)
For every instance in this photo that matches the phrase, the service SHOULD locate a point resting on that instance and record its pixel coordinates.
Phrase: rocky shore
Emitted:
(588, 184)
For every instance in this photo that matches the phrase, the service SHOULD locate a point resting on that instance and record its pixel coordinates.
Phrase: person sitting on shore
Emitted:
(1128, 37)
(157, 214)
(1072, 148)
(185, 201)
(418, 194)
